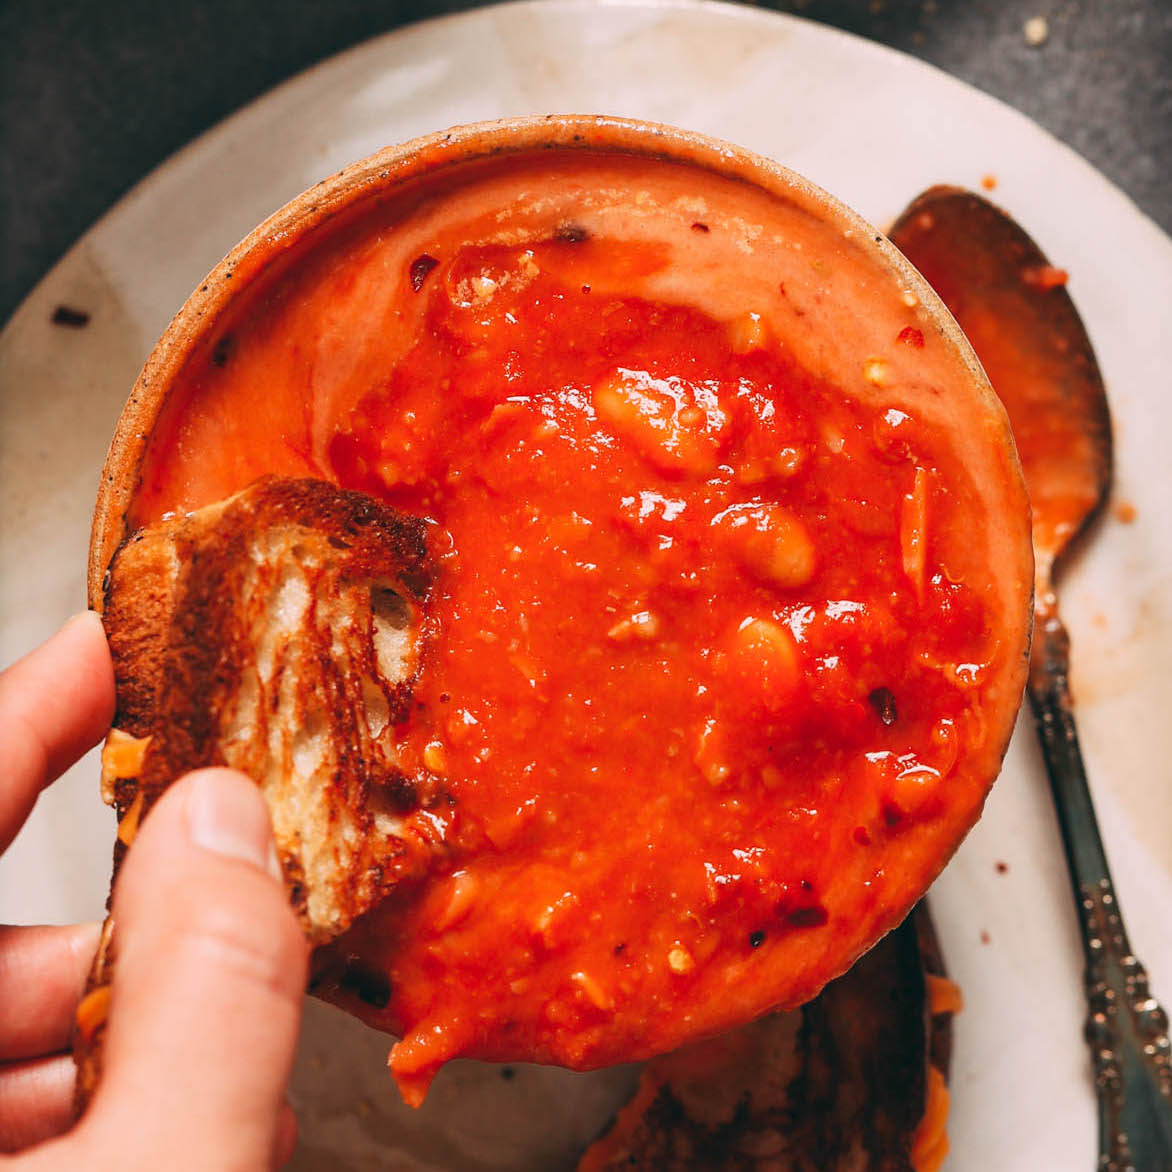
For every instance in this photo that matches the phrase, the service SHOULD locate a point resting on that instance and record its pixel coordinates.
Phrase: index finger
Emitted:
(55, 703)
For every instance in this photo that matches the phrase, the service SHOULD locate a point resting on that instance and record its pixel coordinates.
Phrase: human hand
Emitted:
(207, 992)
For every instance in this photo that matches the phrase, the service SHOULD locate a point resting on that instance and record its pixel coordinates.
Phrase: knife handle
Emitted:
(1127, 1029)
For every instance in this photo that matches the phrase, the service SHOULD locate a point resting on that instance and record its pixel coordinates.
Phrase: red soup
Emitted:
(728, 622)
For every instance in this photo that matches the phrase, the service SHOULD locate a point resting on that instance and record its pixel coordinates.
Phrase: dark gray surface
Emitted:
(95, 95)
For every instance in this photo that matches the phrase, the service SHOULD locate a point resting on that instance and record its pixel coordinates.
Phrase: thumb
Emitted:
(208, 985)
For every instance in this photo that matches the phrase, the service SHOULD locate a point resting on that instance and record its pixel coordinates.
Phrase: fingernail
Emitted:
(82, 617)
(273, 863)
(226, 817)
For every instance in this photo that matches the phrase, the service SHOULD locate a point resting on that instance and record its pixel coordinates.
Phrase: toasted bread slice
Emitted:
(852, 1082)
(277, 632)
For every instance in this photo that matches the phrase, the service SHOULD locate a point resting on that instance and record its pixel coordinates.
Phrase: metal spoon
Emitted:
(1014, 307)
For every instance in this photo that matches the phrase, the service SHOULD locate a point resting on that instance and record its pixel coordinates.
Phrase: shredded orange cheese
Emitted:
(128, 827)
(122, 757)
(944, 996)
(930, 1143)
(92, 1012)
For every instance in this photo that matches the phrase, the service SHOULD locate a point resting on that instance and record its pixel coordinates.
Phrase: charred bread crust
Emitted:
(210, 615)
(839, 1085)
(278, 632)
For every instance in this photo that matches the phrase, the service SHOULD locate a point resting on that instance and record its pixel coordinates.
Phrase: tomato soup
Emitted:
(731, 582)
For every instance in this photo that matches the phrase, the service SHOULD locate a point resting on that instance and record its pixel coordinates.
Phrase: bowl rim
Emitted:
(427, 157)
(387, 169)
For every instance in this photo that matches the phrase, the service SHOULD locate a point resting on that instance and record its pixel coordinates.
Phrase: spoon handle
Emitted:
(1126, 1028)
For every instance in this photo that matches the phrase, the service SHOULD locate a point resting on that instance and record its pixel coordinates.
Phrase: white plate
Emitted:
(868, 124)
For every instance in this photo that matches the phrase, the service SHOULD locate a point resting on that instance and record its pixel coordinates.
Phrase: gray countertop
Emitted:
(93, 96)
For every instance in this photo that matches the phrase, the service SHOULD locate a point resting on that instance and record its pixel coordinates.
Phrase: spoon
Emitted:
(1014, 307)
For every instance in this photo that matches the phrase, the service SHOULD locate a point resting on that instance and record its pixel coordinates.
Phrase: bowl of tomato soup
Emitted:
(733, 569)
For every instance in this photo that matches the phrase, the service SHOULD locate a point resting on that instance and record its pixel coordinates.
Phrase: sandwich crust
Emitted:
(852, 1081)
(278, 632)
